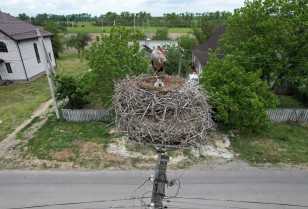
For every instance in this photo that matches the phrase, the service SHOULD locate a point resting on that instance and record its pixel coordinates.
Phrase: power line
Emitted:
(243, 201)
(77, 203)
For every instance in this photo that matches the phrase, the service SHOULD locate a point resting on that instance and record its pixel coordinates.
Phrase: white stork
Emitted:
(158, 59)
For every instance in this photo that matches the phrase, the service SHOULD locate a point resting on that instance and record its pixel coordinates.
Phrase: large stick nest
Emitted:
(177, 114)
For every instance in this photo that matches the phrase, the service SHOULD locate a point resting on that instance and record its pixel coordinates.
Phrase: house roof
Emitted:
(201, 51)
(17, 29)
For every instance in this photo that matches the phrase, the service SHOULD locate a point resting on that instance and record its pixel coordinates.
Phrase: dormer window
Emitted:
(3, 47)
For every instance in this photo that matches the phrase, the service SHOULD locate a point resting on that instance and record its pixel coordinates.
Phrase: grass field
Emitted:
(284, 143)
(58, 135)
(20, 100)
(89, 28)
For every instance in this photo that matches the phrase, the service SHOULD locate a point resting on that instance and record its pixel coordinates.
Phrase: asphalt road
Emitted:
(214, 189)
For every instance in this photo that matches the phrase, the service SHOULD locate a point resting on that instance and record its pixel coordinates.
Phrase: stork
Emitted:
(158, 59)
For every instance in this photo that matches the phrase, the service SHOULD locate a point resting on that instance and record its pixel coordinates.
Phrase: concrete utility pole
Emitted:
(160, 180)
(46, 59)
(180, 63)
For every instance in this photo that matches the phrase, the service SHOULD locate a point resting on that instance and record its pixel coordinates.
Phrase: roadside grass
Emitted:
(284, 143)
(89, 28)
(58, 135)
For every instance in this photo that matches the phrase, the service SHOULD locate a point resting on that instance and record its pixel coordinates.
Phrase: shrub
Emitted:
(73, 88)
(240, 98)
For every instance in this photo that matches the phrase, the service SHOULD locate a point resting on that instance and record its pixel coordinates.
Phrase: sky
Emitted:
(98, 7)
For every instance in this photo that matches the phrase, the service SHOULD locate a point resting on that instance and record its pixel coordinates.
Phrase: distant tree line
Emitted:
(128, 19)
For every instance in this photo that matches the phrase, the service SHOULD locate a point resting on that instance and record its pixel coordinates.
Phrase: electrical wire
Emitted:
(177, 192)
(77, 203)
(130, 195)
(243, 201)
(142, 185)
(210, 205)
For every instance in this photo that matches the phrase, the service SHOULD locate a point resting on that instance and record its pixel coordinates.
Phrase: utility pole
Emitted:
(180, 63)
(46, 59)
(134, 25)
(160, 179)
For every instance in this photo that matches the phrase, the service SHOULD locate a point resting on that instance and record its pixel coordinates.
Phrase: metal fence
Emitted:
(77, 115)
(288, 115)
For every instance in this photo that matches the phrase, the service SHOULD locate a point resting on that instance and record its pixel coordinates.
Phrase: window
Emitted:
(8, 68)
(37, 53)
(50, 56)
(3, 47)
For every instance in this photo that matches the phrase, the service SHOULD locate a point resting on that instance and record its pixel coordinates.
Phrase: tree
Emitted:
(116, 57)
(55, 40)
(74, 88)
(204, 32)
(198, 33)
(270, 35)
(239, 98)
(79, 42)
(24, 17)
(188, 42)
(172, 64)
(161, 34)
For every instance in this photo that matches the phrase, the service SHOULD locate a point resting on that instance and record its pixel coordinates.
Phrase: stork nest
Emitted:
(176, 114)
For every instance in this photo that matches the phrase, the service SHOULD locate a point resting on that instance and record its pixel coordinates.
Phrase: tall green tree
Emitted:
(24, 17)
(204, 31)
(79, 42)
(271, 36)
(116, 57)
(56, 38)
(239, 98)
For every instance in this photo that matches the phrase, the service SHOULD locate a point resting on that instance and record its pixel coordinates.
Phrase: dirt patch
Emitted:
(63, 155)
(87, 147)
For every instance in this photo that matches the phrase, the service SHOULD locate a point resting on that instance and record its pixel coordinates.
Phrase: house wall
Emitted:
(29, 68)
(33, 68)
(12, 57)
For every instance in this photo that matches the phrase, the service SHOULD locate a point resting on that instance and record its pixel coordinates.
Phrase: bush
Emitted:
(73, 88)
(240, 98)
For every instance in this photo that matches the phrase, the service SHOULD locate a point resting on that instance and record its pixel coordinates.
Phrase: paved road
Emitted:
(215, 189)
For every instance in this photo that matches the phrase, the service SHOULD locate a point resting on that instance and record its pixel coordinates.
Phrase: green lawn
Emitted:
(89, 28)
(20, 100)
(284, 143)
(70, 64)
(58, 135)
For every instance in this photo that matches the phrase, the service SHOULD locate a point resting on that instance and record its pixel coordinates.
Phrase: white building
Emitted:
(21, 57)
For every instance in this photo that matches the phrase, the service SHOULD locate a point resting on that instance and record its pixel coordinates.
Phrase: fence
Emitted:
(77, 115)
(288, 115)
(275, 115)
